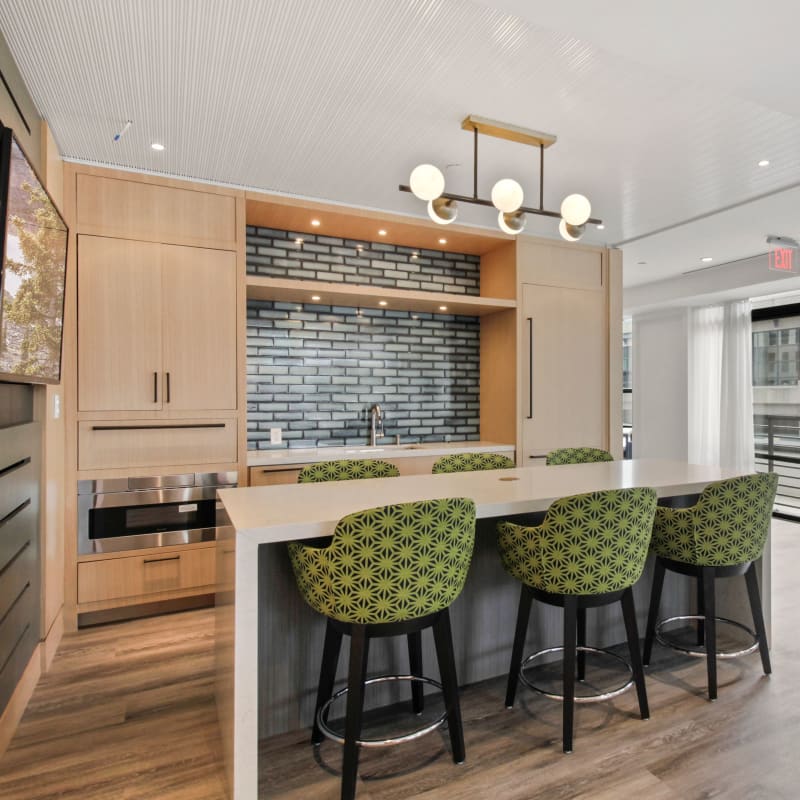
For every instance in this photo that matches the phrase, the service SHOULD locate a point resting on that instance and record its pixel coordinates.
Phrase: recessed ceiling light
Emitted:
(381, 302)
(381, 232)
(157, 146)
(316, 223)
(763, 163)
(298, 241)
(442, 241)
(601, 227)
(415, 254)
(315, 297)
(442, 308)
(706, 259)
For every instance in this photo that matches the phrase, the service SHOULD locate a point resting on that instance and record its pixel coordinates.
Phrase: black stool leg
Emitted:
(709, 612)
(652, 615)
(415, 661)
(443, 639)
(581, 643)
(570, 642)
(631, 629)
(701, 610)
(359, 649)
(327, 675)
(758, 617)
(523, 615)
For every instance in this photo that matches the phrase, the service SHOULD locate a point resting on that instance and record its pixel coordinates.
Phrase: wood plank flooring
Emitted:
(127, 713)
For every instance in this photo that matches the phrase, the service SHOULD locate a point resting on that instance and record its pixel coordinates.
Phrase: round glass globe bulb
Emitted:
(576, 209)
(426, 182)
(442, 211)
(512, 224)
(570, 232)
(507, 195)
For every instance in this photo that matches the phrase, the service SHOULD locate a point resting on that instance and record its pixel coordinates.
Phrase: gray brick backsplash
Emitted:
(314, 371)
(274, 253)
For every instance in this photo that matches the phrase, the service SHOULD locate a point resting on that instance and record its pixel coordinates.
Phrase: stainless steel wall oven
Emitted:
(133, 513)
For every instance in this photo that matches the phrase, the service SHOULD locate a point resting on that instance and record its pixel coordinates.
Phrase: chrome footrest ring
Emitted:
(592, 698)
(328, 732)
(661, 639)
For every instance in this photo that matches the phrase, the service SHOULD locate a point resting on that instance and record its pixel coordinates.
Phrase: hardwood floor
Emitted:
(127, 713)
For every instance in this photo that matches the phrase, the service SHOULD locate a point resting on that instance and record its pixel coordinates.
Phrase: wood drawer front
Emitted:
(260, 476)
(147, 443)
(138, 576)
(148, 212)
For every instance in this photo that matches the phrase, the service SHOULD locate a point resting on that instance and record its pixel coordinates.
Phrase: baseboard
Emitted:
(52, 641)
(19, 700)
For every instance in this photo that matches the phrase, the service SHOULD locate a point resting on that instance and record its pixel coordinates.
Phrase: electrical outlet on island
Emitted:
(275, 436)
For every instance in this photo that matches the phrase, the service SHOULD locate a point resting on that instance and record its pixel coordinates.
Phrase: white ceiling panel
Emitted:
(657, 122)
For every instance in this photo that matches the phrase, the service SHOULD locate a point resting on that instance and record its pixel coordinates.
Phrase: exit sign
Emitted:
(781, 259)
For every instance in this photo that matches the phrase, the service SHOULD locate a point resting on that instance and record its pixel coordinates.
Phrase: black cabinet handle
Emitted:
(156, 427)
(167, 374)
(159, 560)
(530, 376)
(155, 387)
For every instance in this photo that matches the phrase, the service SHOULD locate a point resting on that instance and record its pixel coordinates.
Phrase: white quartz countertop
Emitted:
(267, 514)
(279, 458)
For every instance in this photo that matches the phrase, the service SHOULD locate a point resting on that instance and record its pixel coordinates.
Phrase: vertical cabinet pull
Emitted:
(530, 374)
(155, 387)
(167, 381)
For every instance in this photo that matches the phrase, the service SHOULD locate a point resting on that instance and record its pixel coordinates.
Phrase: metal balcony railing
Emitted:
(777, 449)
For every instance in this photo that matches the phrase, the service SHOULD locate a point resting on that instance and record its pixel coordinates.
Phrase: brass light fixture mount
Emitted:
(427, 183)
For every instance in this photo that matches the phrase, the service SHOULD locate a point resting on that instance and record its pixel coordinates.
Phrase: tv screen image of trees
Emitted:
(32, 302)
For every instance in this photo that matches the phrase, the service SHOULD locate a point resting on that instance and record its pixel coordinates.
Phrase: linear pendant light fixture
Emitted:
(427, 183)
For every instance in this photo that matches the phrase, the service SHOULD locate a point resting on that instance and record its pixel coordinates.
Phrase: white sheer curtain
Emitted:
(721, 386)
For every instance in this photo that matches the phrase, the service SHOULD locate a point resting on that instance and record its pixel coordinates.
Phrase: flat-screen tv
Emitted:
(33, 262)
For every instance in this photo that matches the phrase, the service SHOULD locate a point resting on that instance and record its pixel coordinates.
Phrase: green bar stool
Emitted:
(472, 462)
(721, 536)
(388, 571)
(577, 455)
(362, 469)
(347, 470)
(589, 551)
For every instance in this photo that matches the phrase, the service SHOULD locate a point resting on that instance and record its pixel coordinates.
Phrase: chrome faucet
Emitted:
(376, 424)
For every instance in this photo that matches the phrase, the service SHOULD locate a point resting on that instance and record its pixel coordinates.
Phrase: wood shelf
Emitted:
(360, 296)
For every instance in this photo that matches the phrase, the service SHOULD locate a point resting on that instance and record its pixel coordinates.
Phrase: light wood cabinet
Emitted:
(156, 327)
(112, 444)
(137, 209)
(140, 578)
(564, 368)
(119, 324)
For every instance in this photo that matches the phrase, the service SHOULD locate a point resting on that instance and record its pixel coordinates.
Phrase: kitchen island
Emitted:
(269, 642)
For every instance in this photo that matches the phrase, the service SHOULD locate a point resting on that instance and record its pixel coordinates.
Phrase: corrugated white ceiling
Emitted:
(339, 100)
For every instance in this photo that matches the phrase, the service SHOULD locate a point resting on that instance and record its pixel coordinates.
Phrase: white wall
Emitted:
(660, 385)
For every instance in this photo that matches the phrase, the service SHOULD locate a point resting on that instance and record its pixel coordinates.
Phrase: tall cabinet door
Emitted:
(199, 289)
(119, 325)
(564, 368)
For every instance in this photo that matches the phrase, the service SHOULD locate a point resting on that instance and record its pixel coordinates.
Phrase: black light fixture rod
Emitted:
(479, 201)
(541, 176)
(475, 166)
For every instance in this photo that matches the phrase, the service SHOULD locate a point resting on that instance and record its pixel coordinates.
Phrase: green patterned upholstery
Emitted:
(389, 564)
(472, 462)
(577, 455)
(588, 544)
(345, 470)
(727, 526)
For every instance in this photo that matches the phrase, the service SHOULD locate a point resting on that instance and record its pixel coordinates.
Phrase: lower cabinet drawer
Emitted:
(138, 576)
(259, 476)
(143, 443)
